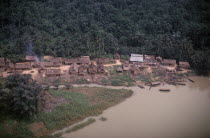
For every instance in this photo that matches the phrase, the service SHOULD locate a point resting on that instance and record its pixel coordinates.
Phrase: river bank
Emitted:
(183, 112)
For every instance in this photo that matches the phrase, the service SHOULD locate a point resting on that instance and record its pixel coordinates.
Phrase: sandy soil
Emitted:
(117, 63)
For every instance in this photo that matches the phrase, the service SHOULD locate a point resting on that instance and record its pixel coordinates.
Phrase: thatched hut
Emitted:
(126, 66)
(100, 61)
(35, 64)
(47, 58)
(10, 67)
(2, 62)
(135, 69)
(71, 61)
(73, 69)
(119, 69)
(23, 66)
(159, 59)
(30, 58)
(82, 70)
(101, 69)
(184, 65)
(84, 60)
(41, 69)
(168, 62)
(92, 69)
(149, 57)
(116, 56)
(47, 64)
(53, 73)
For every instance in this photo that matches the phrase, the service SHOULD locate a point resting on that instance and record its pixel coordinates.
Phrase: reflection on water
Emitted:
(182, 113)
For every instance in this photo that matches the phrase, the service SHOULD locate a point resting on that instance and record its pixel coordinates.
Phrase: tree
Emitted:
(21, 92)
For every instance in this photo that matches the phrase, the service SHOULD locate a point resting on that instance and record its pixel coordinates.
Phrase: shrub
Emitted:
(115, 82)
(22, 94)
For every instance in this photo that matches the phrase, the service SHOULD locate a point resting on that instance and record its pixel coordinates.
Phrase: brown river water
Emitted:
(184, 112)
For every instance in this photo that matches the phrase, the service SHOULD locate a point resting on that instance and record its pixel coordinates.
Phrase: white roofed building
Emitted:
(136, 58)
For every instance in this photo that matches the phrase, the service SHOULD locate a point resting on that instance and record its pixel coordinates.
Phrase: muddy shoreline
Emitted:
(185, 100)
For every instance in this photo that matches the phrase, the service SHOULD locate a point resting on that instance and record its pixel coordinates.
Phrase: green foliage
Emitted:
(20, 95)
(105, 81)
(82, 81)
(67, 114)
(123, 77)
(115, 82)
(201, 62)
(171, 29)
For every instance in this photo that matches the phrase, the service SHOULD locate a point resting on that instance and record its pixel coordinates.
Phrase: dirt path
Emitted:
(117, 63)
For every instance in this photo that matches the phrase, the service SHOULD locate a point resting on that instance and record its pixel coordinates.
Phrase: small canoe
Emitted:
(155, 83)
(164, 90)
(191, 80)
(141, 86)
(178, 83)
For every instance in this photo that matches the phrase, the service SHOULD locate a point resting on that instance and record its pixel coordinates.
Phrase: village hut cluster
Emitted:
(49, 66)
(138, 62)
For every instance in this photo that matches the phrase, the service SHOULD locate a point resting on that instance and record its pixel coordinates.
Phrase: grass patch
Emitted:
(144, 78)
(124, 77)
(81, 125)
(82, 81)
(105, 81)
(119, 79)
(116, 82)
(79, 107)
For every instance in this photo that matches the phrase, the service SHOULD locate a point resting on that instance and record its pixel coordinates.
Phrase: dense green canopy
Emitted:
(170, 28)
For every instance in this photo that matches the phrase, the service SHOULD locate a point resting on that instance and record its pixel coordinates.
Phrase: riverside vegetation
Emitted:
(81, 103)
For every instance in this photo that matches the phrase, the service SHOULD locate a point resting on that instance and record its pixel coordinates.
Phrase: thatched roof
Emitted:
(47, 64)
(2, 62)
(135, 69)
(50, 64)
(92, 69)
(11, 65)
(126, 66)
(101, 69)
(57, 59)
(47, 58)
(2, 69)
(185, 65)
(84, 60)
(100, 61)
(35, 64)
(73, 69)
(57, 64)
(150, 57)
(117, 56)
(168, 62)
(159, 59)
(119, 69)
(30, 58)
(70, 61)
(24, 65)
(53, 72)
(82, 69)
